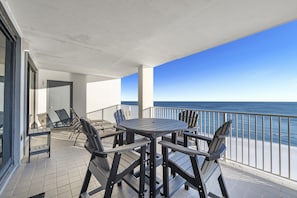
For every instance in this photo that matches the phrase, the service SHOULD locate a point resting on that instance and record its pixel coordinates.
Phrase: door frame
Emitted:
(58, 83)
(12, 94)
(29, 66)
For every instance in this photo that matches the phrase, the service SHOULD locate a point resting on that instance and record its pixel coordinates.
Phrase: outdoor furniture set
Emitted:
(127, 160)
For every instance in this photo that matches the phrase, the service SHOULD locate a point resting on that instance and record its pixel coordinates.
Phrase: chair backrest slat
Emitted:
(216, 143)
(190, 117)
(119, 116)
(94, 143)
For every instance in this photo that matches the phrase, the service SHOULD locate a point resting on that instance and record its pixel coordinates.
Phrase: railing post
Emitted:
(273, 129)
(225, 140)
(102, 114)
(225, 117)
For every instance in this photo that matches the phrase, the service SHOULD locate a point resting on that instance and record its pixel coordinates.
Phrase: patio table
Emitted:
(152, 128)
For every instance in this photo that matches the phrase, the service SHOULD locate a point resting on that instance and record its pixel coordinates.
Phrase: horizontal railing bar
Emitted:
(229, 112)
(260, 138)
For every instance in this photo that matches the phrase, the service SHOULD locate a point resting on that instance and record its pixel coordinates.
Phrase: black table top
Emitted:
(154, 127)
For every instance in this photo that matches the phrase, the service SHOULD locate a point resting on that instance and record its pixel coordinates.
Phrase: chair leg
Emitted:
(199, 182)
(112, 177)
(76, 138)
(86, 182)
(223, 186)
(70, 135)
(115, 141)
(142, 172)
(165, 172)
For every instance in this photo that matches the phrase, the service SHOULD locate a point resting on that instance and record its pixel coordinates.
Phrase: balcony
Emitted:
(247, 173)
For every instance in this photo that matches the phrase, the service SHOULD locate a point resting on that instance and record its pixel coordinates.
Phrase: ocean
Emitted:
(269, 128)
(278, 108)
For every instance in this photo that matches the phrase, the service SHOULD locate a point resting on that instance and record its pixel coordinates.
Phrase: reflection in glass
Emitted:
(2, 75)
(32, 96)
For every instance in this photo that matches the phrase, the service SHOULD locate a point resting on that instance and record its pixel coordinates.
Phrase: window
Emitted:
(6, 66)
(9, 94)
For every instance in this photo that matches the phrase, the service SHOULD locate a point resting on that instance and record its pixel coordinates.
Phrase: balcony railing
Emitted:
(263, 141)
(107, 113)
(266, 142)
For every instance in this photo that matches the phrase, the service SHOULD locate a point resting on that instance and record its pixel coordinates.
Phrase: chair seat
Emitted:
(197, 169)
(127, 159)
(179, 140)
(113, 165)
(183, 161)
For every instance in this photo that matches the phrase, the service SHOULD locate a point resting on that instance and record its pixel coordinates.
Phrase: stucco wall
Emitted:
(87, 96)
(102, 94)
(79, 89)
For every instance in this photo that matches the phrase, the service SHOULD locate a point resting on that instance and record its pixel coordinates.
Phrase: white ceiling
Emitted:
(111, 38)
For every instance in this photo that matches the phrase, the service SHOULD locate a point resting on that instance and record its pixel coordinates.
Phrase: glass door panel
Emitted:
(2, 78)
(31, 95)
(59, 97)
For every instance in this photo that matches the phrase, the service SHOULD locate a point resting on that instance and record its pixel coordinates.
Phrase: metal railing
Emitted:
(266, 142)
(107, 113)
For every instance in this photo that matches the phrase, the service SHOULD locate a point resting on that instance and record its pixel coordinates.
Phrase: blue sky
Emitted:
(261, 67)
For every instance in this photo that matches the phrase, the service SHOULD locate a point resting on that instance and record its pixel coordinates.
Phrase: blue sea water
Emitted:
(279, 108)
(278, 127)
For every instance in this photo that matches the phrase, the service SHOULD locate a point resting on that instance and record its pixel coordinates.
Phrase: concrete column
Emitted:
(145, 88)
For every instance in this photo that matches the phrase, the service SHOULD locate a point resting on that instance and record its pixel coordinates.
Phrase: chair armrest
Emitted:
(218, 154)
(110, 134)
(183, 149)
(120, 149)
(128, 147)
(120, 128)
(196, 136)
(99, 154)
(191, 129)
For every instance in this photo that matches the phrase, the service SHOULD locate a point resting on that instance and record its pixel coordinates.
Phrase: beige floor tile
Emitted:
(62, 176)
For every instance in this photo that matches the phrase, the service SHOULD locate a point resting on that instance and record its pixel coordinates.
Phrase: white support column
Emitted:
(145, 88)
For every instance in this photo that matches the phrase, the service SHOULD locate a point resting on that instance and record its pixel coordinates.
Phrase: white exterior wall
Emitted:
(79, 89)
(87, 97)
(103, 94)
(23, 90)
(145, 88)
(80, 94)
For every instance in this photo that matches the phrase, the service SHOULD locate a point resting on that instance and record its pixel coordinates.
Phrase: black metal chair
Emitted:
(191, 118)
(76, 128)
(64, 117)
(112, 166)
(119, 116)
(197, 169)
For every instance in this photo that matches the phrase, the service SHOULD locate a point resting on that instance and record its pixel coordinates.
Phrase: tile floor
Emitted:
(62, 175)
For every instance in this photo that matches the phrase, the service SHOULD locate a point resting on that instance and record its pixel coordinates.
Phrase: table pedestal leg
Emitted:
(153, 151)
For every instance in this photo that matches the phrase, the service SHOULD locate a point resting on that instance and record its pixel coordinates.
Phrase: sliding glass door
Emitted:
(9, 97)
(2, 83)
(6, 66)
